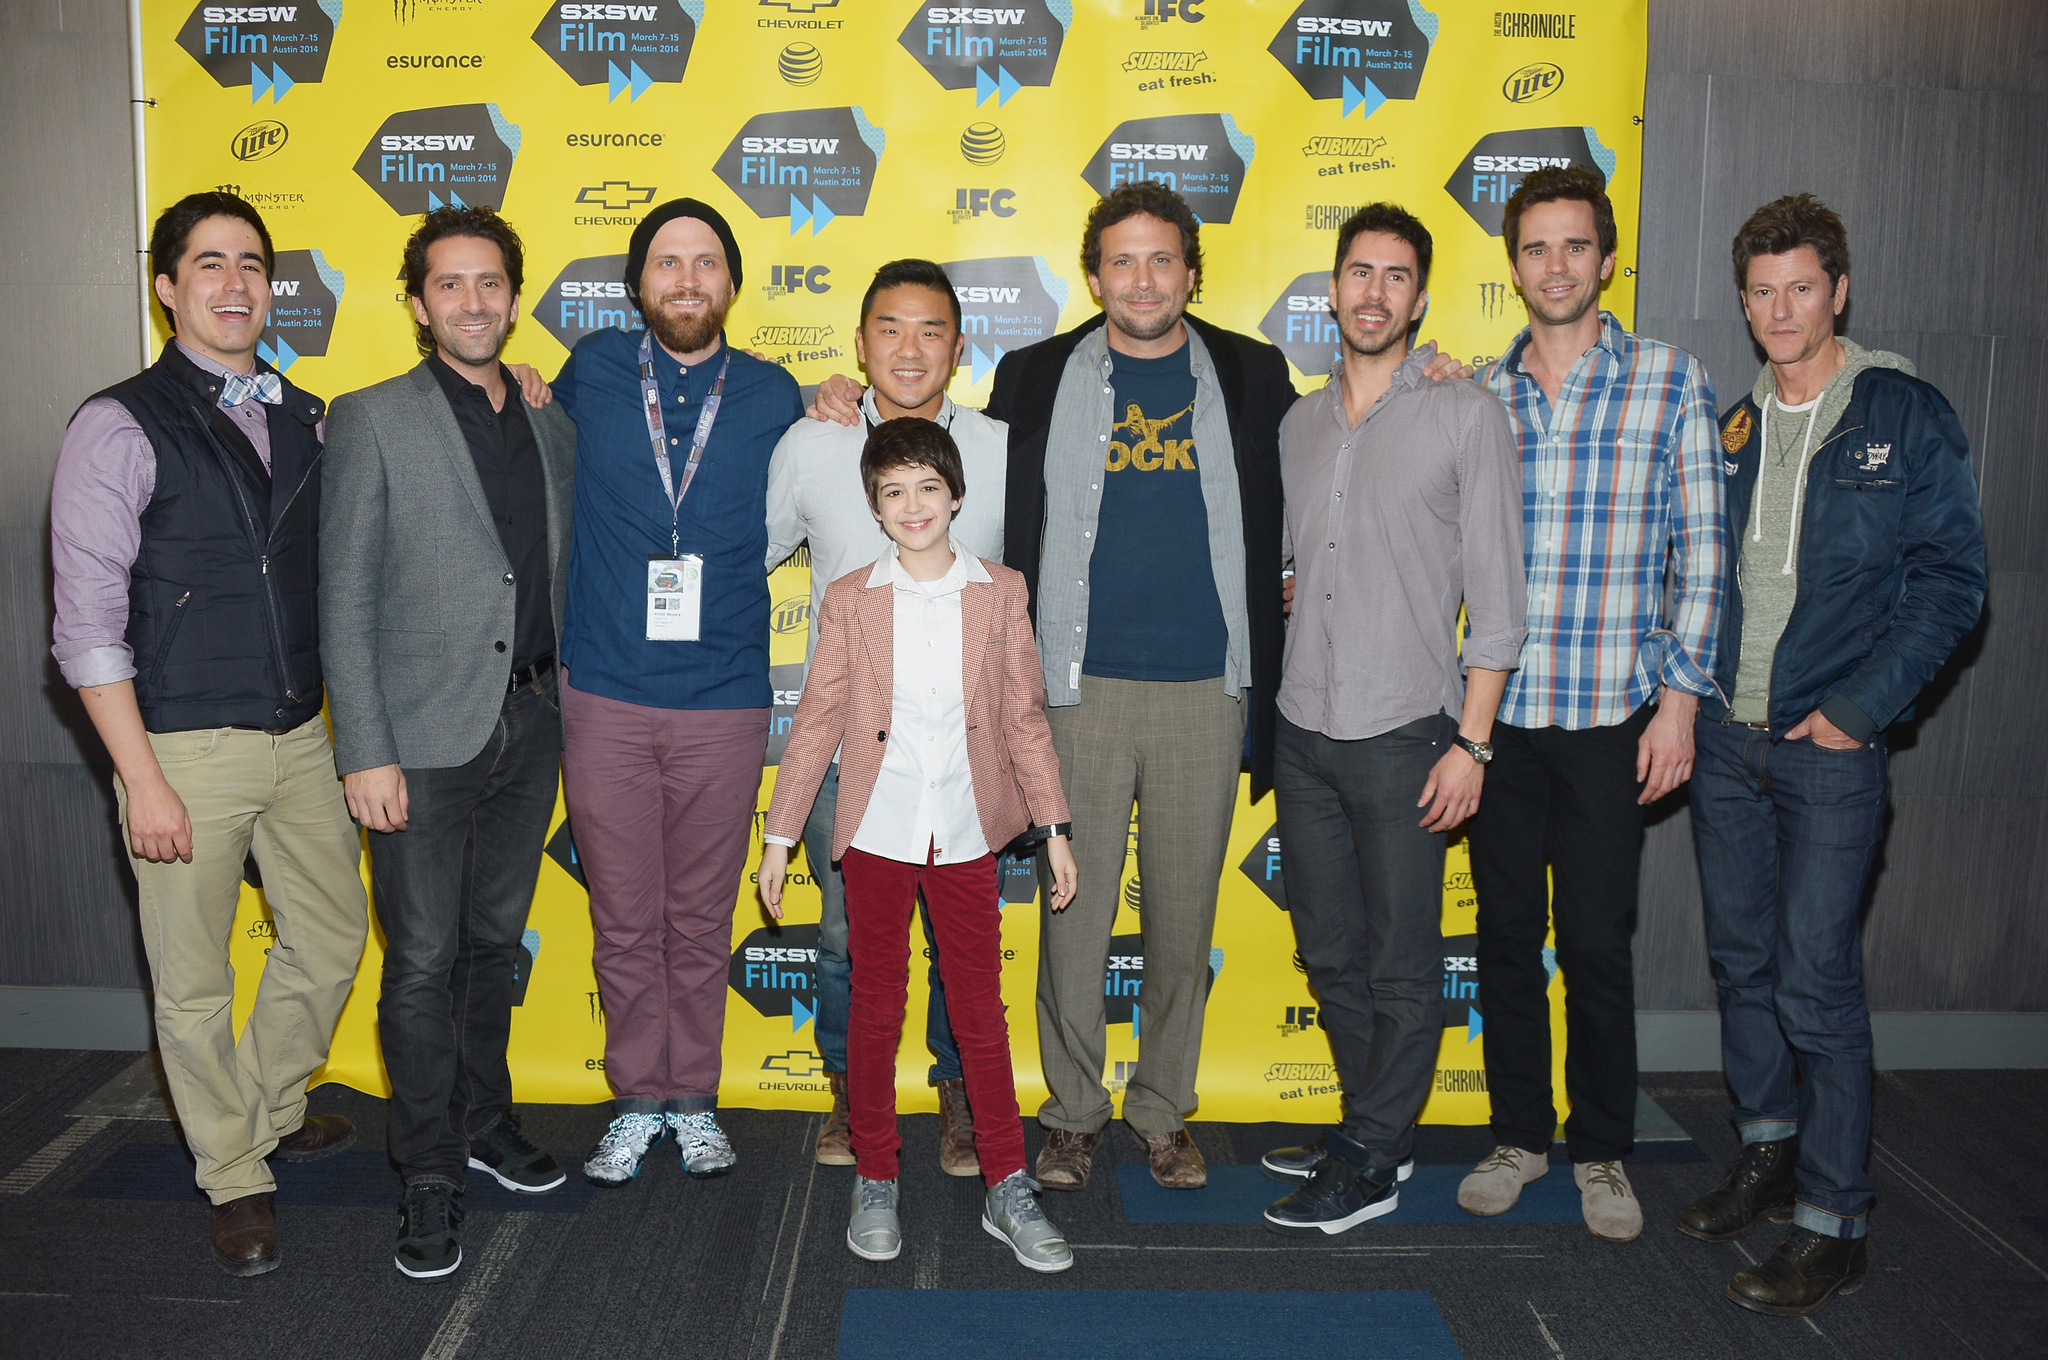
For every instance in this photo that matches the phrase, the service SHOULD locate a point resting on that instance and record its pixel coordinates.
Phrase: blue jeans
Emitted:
(835, 964)
(1786, 833)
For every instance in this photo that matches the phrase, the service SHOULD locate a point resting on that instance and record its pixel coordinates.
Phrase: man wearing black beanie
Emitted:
(665, 693)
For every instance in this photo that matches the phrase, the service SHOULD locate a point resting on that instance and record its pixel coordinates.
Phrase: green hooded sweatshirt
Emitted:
(1767, 572)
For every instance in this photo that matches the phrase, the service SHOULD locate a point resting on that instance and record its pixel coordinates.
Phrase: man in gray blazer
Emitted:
(444, 550)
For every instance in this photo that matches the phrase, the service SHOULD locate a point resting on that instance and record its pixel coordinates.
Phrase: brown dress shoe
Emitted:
(1176, 1162)
(956, 1131)
(245, 1235)
(1064, 1161)
(835, 1140)
(322, 1135)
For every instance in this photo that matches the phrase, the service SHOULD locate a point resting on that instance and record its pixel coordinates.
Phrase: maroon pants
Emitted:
(967, 923)
(661, 800)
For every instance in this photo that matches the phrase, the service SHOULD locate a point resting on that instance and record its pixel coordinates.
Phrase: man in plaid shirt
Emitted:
(1621, 477)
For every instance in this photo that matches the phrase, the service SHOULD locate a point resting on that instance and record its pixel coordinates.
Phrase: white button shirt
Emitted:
(924, 796)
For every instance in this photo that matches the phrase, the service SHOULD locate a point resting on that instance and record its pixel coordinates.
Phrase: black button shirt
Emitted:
(507, 459)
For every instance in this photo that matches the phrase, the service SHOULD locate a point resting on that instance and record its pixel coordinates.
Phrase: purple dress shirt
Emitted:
(106, 474)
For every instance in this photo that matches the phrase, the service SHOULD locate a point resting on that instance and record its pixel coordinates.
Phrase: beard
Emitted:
(687, 334)
(1140, 327)
(1362, 343)
(471, 349)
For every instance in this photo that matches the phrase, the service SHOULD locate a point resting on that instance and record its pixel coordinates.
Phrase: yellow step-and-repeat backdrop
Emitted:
(835, 135)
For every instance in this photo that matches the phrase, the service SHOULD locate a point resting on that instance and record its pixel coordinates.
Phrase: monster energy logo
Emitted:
(1493, 297)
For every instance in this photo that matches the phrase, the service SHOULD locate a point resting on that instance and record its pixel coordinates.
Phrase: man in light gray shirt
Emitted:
(1404, 499)
(909, 340)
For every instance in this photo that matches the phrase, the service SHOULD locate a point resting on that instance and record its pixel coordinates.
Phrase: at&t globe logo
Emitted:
(800, 64)
(983, 144)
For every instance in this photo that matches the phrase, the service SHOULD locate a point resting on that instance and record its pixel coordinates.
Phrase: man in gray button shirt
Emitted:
(1404, 498)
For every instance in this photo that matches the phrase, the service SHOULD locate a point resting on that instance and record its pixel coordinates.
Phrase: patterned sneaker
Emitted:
(512, 1161)
(1011, 1214)
(617, 1159)
(703, 1144)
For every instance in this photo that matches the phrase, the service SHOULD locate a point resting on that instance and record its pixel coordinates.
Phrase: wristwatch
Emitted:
(1480, 751)
(1040, 834)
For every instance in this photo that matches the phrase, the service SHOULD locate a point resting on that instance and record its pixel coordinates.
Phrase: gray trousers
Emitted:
(1176, 748)
(1365, 888)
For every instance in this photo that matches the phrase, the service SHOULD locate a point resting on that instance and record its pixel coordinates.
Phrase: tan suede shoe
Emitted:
(1609, 1202)
(1496, 1183)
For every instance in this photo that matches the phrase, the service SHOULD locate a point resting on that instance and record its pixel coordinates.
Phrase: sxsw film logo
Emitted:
(969, 204)
(1124, 979)
(458, 156)
(304, 292)
(785, 279)
(269, 48)
(809, 165)
(1461, 986)
(1497, 163)
(775, 970)
(259, 141)
(1262, 867)
(1167, 70)
(1363, 52)
(1537, 80)
(1301, 324)
(1200, 156)
(588, 295)
(787, 682)
(561, 848)
(1006, 303)
(628, 47)
(996, 49)
(1161, 11)
(523, 959)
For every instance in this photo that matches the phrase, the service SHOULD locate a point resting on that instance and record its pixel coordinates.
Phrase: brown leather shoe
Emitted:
(1176, 1162)
(956, 1131)
(835, 1140)
(322, 1135)
(245, 1235)
(1064, 1161)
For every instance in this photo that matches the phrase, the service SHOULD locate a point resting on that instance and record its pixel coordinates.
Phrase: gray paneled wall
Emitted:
(1918, 122)
(1923, 123)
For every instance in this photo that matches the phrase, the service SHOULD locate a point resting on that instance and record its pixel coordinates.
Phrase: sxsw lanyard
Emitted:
(657, 433)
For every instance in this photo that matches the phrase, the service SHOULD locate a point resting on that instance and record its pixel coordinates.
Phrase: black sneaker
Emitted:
(515, 1163)
(1337, 1197)
(1292, 1165)
(428, 1216)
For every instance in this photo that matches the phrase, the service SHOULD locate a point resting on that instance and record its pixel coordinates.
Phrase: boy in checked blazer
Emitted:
(932, 650)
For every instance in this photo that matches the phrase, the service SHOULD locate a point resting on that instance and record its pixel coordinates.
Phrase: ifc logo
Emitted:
(259, 140)
(801, 64)
(983, 144)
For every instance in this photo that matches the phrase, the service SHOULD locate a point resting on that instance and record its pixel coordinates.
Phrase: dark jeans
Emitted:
(1559, 834)
(452, 892)
(1365, 888)
(835, 962)
(1786, 833)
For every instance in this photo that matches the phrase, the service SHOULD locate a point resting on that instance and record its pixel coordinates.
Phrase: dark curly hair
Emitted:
(481, 222)
(1142, 198)
(1556, 184)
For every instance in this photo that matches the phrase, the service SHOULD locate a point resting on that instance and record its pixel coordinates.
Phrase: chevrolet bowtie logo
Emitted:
(616, 194)
(798, 1062)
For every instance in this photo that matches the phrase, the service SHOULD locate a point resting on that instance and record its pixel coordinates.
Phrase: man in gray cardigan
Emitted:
(444, 546)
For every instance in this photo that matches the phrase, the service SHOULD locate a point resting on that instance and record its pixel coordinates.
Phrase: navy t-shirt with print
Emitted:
(1153, 611)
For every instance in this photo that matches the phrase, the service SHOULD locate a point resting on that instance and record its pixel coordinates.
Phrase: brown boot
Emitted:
(245, 1235)
(1176, 1162)
(322, 1135)
(835, 1140)
(956, 1131)
(1064, 1161)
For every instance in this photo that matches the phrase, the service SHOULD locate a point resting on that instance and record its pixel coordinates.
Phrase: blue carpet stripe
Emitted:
(355, 1179)
(1240, 1194)
(1003, 1324)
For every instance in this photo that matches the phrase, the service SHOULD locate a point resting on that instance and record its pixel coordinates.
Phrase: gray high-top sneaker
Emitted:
(874, 1232)
(1011, 1214)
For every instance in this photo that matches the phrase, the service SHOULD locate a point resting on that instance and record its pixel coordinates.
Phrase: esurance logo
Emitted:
(775, 970)
(1203, 157)
(458, 156)
(1301, 324)
(1363, 52)
(588, 295)
(1262, 865)
(1006, 303)
(1498, 162)
(269, 48)
(1537, 80)
(997, 49)
(626, 48)
(259, 141)
(809, 165)
(305, 291)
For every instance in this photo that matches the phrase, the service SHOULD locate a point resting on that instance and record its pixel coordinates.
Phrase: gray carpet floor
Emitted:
(103, 1250)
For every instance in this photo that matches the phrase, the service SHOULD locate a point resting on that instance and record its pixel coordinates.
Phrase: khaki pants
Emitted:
(1176, 748)
(278, 796)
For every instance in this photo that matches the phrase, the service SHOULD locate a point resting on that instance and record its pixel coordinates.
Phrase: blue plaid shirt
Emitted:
(1622, 473)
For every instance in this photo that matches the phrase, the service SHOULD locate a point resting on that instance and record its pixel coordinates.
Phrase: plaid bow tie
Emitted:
(267, 388)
